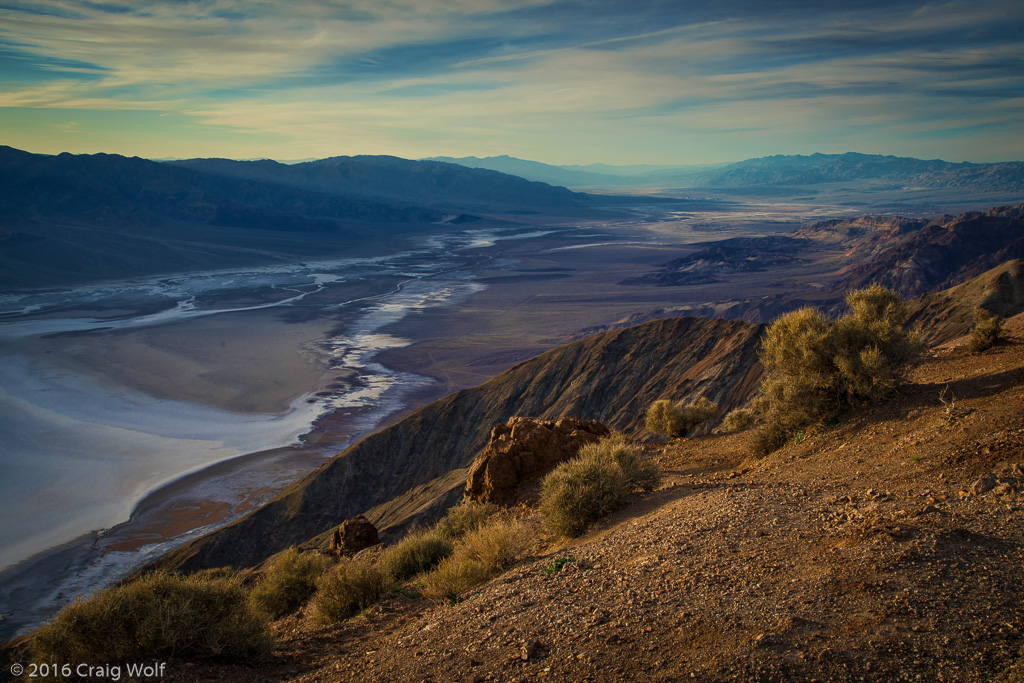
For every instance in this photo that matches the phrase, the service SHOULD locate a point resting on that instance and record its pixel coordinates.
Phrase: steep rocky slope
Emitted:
(943, 316)
(885, 548)
(611, 377)
(827, 259)
(410, 472)
(946, 251)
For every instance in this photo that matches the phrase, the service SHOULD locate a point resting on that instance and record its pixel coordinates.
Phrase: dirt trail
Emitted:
(889, 547)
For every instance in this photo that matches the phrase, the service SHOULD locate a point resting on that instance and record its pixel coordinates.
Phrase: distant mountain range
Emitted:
(72, 218)
(773, 171)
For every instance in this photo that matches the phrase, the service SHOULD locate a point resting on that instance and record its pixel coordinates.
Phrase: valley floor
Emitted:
(888, 547)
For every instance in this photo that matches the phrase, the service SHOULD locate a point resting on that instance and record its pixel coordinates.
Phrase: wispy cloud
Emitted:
(560, 80)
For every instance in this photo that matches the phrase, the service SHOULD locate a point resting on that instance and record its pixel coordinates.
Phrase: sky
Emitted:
(558, 81)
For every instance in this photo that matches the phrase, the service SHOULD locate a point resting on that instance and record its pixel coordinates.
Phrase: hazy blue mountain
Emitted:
(535, 170)
(831, 168)
(387, 178)
(772, 171)
(592, 175)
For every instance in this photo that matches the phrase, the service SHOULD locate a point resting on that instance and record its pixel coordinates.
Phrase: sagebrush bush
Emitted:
(288, 583)
(479, 555)
(465, 517)
(158, 615)
(349, 587)
(598, 481)
(986, 332)
(675, 420)
(419, 551)
(738, 419)
(814, 366)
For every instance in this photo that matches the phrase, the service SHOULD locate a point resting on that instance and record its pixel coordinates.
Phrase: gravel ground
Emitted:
(889, 547)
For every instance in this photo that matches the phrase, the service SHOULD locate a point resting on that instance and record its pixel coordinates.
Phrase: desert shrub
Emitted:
(737, 420)
(663, 418)
(465, 517)
(814, 366)
(771, 436)
(479, 555)
(677, 419)
(598, 481)
(158, 615)
(216, 573)
(987, 330)
(288, 583)
(419, 551)
(350, 586)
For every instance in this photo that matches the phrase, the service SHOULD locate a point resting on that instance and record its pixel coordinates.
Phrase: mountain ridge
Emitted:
(72, 218)
(777, 171)
(611, 377)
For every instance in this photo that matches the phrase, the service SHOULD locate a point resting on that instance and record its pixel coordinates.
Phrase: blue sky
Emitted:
(559, 81)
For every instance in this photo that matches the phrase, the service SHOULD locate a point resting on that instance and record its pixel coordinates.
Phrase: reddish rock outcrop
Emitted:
(522, 451)
(354, 534)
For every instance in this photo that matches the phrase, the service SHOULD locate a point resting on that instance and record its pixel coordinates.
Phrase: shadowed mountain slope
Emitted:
(387, 178)
(73, 218)
(611, 377)
(70, 218)
(943, 316)
(946, 251)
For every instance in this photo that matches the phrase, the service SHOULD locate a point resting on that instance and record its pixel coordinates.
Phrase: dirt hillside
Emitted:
(887, 547)
(610, 377)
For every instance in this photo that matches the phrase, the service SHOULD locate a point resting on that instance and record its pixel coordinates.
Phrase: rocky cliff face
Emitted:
(946, 251)
(942, 316)
(611, 377)
(522, 451)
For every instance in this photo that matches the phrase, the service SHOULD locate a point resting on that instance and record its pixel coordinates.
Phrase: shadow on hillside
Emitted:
(926, 395)
(649, 503)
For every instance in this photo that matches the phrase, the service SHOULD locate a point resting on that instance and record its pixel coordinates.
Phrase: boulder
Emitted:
(354, 534)
(522, 451)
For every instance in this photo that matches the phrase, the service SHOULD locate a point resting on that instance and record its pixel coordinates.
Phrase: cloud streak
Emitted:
(659, 81)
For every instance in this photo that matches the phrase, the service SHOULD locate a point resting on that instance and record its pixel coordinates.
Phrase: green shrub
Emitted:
(288, 583)
(351, 586)
(595, 483)
(419, 551)
(480, 555)
(557, 565)
(737, 420)
(987, 330)
(675, 420)
(158, 615)
(814, 366)
(465, 517)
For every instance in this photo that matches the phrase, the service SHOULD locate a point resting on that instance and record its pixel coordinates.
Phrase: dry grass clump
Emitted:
(737, 420)
(158, 615)
(350, 586)
(479, 555)
(814, 366)
(986, 332)
(676, 420)
(465, 517)
(418, 552)
(598, 481)
(288, 583)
